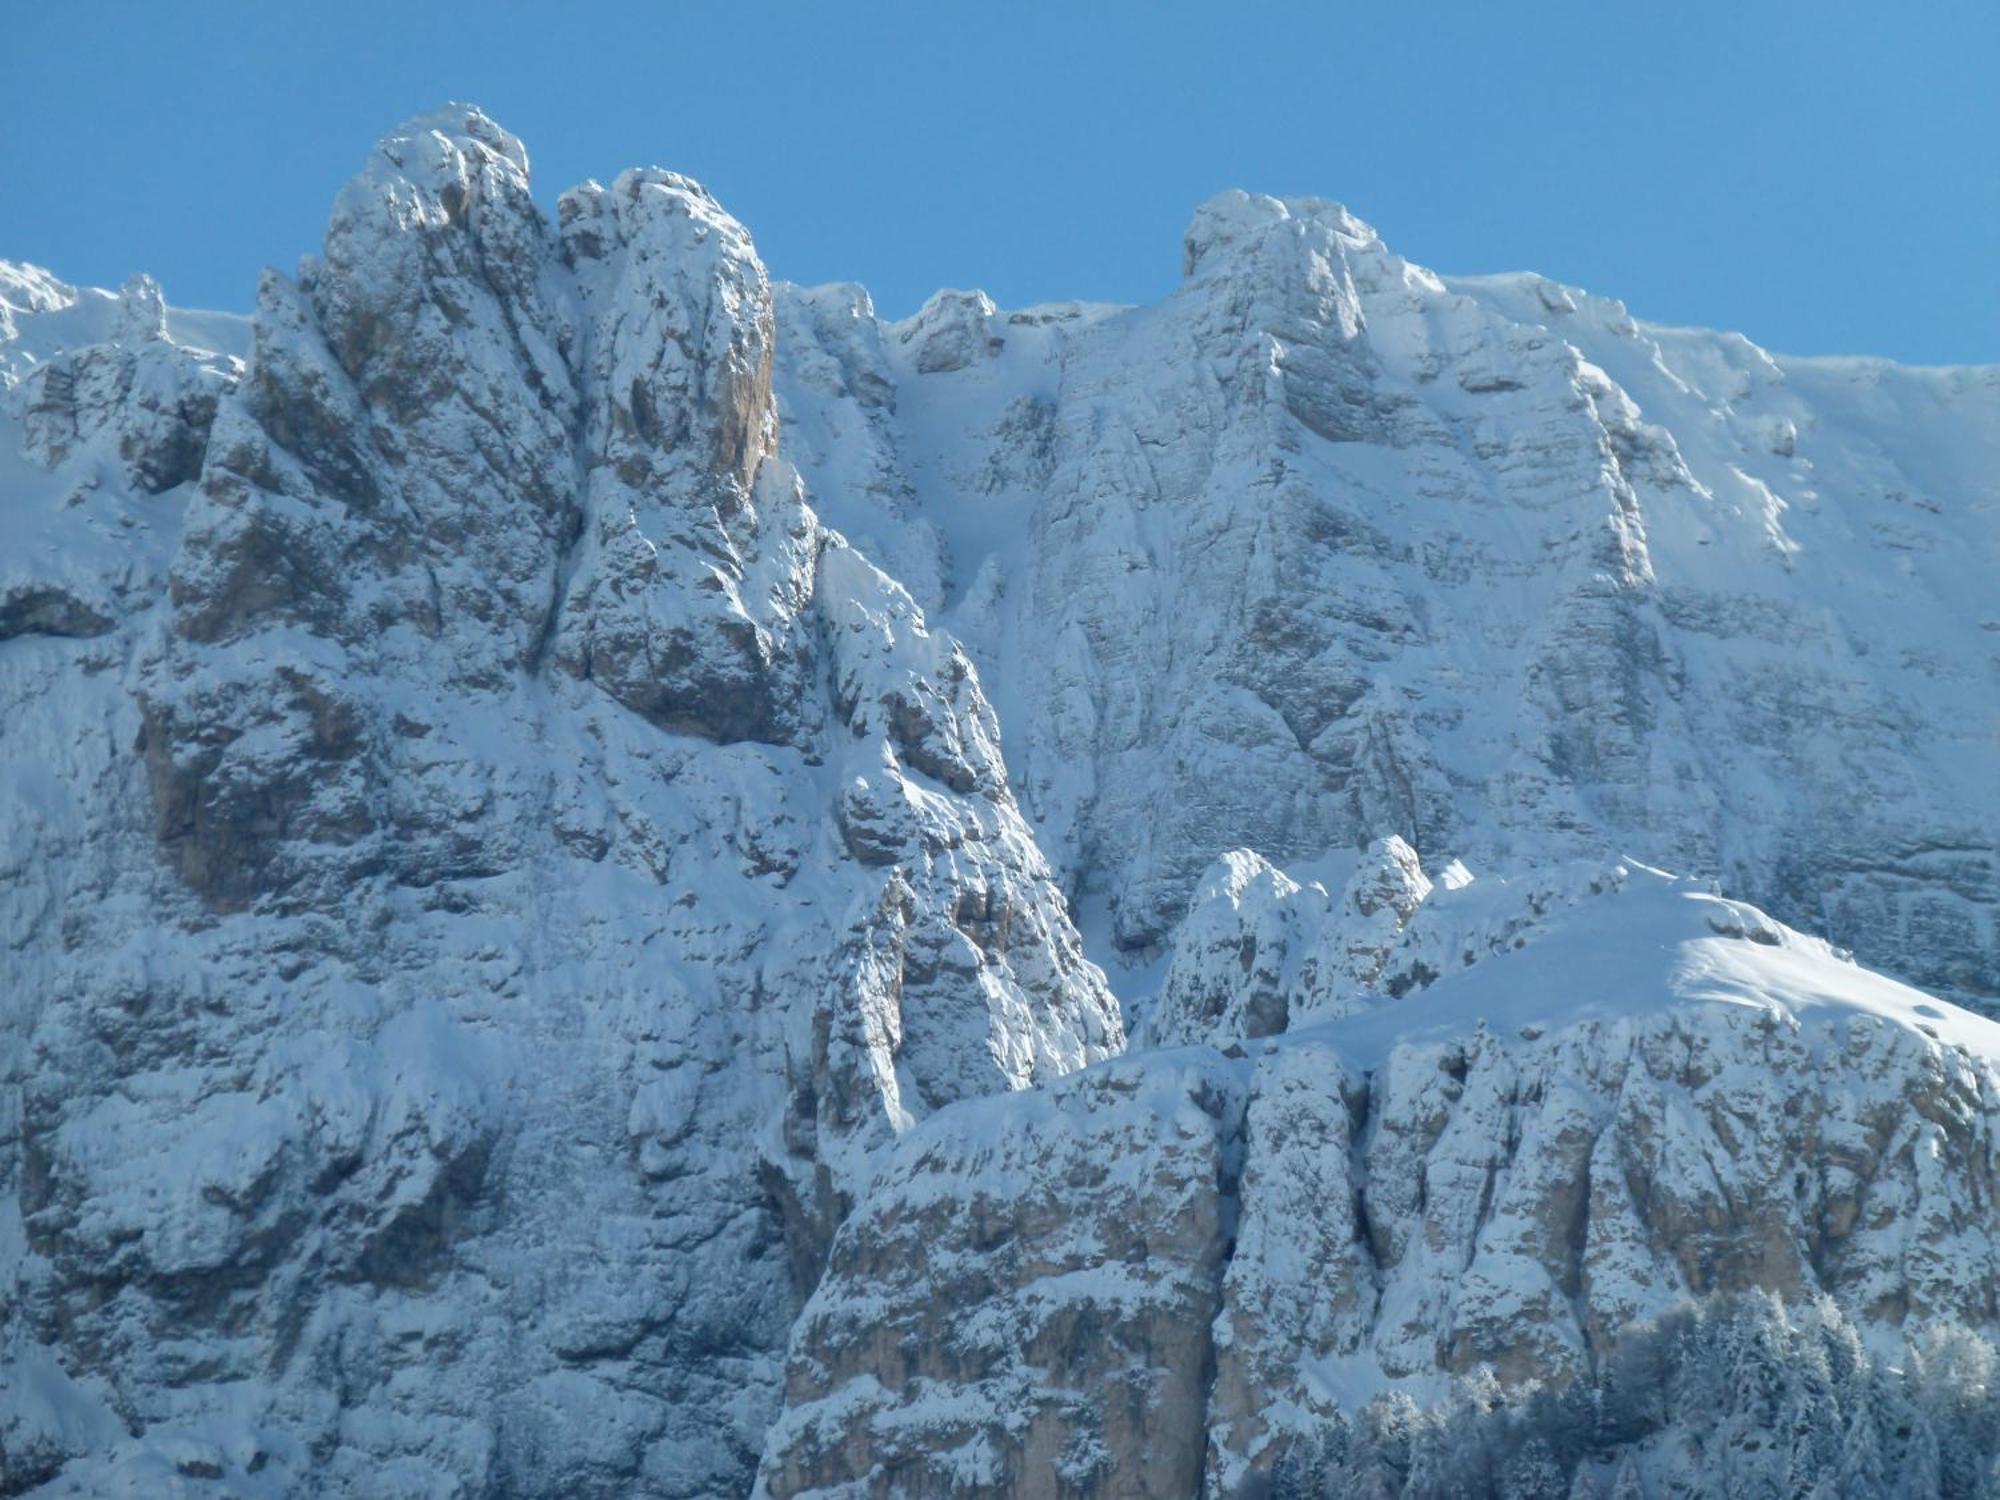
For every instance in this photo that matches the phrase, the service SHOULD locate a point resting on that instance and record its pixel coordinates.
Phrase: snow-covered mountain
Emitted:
(544, 777)
(1325, 547)
(483, 864)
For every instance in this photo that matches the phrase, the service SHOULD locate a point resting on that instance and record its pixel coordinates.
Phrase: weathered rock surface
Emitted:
(1260, 952)
(1023, 1306)
(1663, 1095)
(468, 933)
(1325, 547)
(492, 867)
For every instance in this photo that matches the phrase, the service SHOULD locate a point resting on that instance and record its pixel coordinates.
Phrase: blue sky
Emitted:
(1824, 176)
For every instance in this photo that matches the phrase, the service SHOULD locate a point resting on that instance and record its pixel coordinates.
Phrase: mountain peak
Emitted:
(1235, 217)
(434, 139)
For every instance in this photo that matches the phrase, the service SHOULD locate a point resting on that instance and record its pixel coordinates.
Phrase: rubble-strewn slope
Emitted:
(483, 865)
(1325, 547)
(1142, 1279)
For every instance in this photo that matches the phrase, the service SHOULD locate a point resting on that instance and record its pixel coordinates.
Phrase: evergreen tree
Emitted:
(1760, 1403)
(1809, 1429)
(1702, 1381)
(1533, 1474)
(1959, 1466)
(1309, 1462)
(1634, 1389)
(1923, 1473)
(1368, 1475)
(1378, 1450)
(1297, 1474)
(1571, 1423)
(1430, 1472)
(1627, 1486)
(1862, 1470)
(1759, 1352)
(1334, 1436)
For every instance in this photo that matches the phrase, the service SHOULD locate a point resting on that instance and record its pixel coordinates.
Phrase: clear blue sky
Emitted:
(1824, 175)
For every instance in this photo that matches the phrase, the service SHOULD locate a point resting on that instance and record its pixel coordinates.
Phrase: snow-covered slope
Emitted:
(1325, 547)
(505, 839)
(1153, 1274)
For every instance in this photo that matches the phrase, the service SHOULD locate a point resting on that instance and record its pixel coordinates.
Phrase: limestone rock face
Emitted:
(558, 800)
(952, 331)
(1259, 952)
(1023, 1306)
(1324, 547)
(479, 901)
(139, 395)
(685, 598)
(103, 411)
(1498, 1172)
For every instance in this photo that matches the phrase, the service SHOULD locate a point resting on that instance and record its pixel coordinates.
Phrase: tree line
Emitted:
(1739, 1397)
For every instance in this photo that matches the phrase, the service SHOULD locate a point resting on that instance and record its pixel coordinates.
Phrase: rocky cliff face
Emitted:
(527, 972)
(474, 910)
(1325, 547)
(1151, 1276)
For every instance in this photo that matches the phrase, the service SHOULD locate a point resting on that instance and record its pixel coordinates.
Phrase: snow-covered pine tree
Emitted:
(1627, 1486)
(1862, 1467)
(1533, 1473)
(1923, 1472)
(1808, 1422)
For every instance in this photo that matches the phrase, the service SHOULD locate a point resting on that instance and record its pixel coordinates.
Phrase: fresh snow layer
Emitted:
(1651, 943)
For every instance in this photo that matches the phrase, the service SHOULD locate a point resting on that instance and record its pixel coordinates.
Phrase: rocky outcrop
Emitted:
(684, 600)
(107, 412)
(952, 331)
(1037, 1295)
(473, 929)
(139, 395)
(1325, 547)
(1260, 952)
(1022, 1307)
